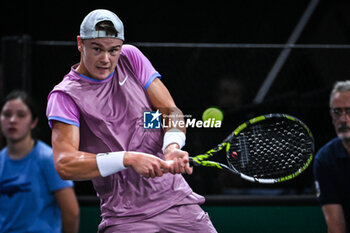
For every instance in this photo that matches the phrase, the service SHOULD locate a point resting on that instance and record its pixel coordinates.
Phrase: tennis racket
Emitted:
(267, 149)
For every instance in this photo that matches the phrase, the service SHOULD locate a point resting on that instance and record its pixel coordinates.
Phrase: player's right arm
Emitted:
(73, 164)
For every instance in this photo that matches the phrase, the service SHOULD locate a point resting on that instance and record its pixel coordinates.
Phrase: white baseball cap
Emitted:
(88, 26)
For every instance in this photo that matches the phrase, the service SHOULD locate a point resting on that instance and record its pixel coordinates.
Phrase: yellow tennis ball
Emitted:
(213, 113)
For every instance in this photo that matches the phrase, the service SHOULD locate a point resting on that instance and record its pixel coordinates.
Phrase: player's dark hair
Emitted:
(108, 27)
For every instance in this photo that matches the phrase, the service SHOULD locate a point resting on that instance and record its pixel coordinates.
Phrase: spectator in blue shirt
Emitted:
(332, 164)
(33, 198)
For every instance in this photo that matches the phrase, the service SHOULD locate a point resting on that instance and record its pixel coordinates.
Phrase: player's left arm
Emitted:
(161, 99)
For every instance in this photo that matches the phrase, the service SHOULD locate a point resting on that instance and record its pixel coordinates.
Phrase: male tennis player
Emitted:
(332, 164)
(96, 115)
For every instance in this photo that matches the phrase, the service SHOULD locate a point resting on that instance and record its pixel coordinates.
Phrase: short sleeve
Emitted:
(324, 181)
(61, 107)
(143, 68)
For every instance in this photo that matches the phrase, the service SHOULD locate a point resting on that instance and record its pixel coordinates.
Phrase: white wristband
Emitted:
(174, 136)
(110, 163)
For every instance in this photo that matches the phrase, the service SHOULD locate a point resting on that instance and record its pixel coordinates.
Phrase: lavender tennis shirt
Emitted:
(109, 114)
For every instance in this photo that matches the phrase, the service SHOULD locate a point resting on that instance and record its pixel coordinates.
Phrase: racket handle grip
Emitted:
(191, 162)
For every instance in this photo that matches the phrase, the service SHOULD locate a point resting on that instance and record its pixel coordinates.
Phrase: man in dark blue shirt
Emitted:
(332, 164)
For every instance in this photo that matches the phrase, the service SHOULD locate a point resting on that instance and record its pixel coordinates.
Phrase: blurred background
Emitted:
(247, 57)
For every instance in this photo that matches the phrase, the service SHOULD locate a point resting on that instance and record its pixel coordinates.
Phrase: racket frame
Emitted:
(201, 160)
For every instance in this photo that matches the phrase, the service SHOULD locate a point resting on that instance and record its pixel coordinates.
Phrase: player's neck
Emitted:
(21, 148)
(81, 69)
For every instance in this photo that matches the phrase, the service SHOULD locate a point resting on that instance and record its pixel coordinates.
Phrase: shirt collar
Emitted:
(73, 69)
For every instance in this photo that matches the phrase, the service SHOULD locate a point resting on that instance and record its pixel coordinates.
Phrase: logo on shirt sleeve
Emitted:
(151, 120)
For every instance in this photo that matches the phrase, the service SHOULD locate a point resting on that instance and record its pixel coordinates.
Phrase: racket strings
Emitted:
(270, 149)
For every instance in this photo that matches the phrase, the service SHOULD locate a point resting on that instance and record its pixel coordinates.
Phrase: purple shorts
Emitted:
(183, 218)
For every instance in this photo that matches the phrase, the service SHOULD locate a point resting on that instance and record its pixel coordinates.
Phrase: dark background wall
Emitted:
(249, 21)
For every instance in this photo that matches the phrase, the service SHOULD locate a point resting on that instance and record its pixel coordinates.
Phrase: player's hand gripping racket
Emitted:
(267, 149)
